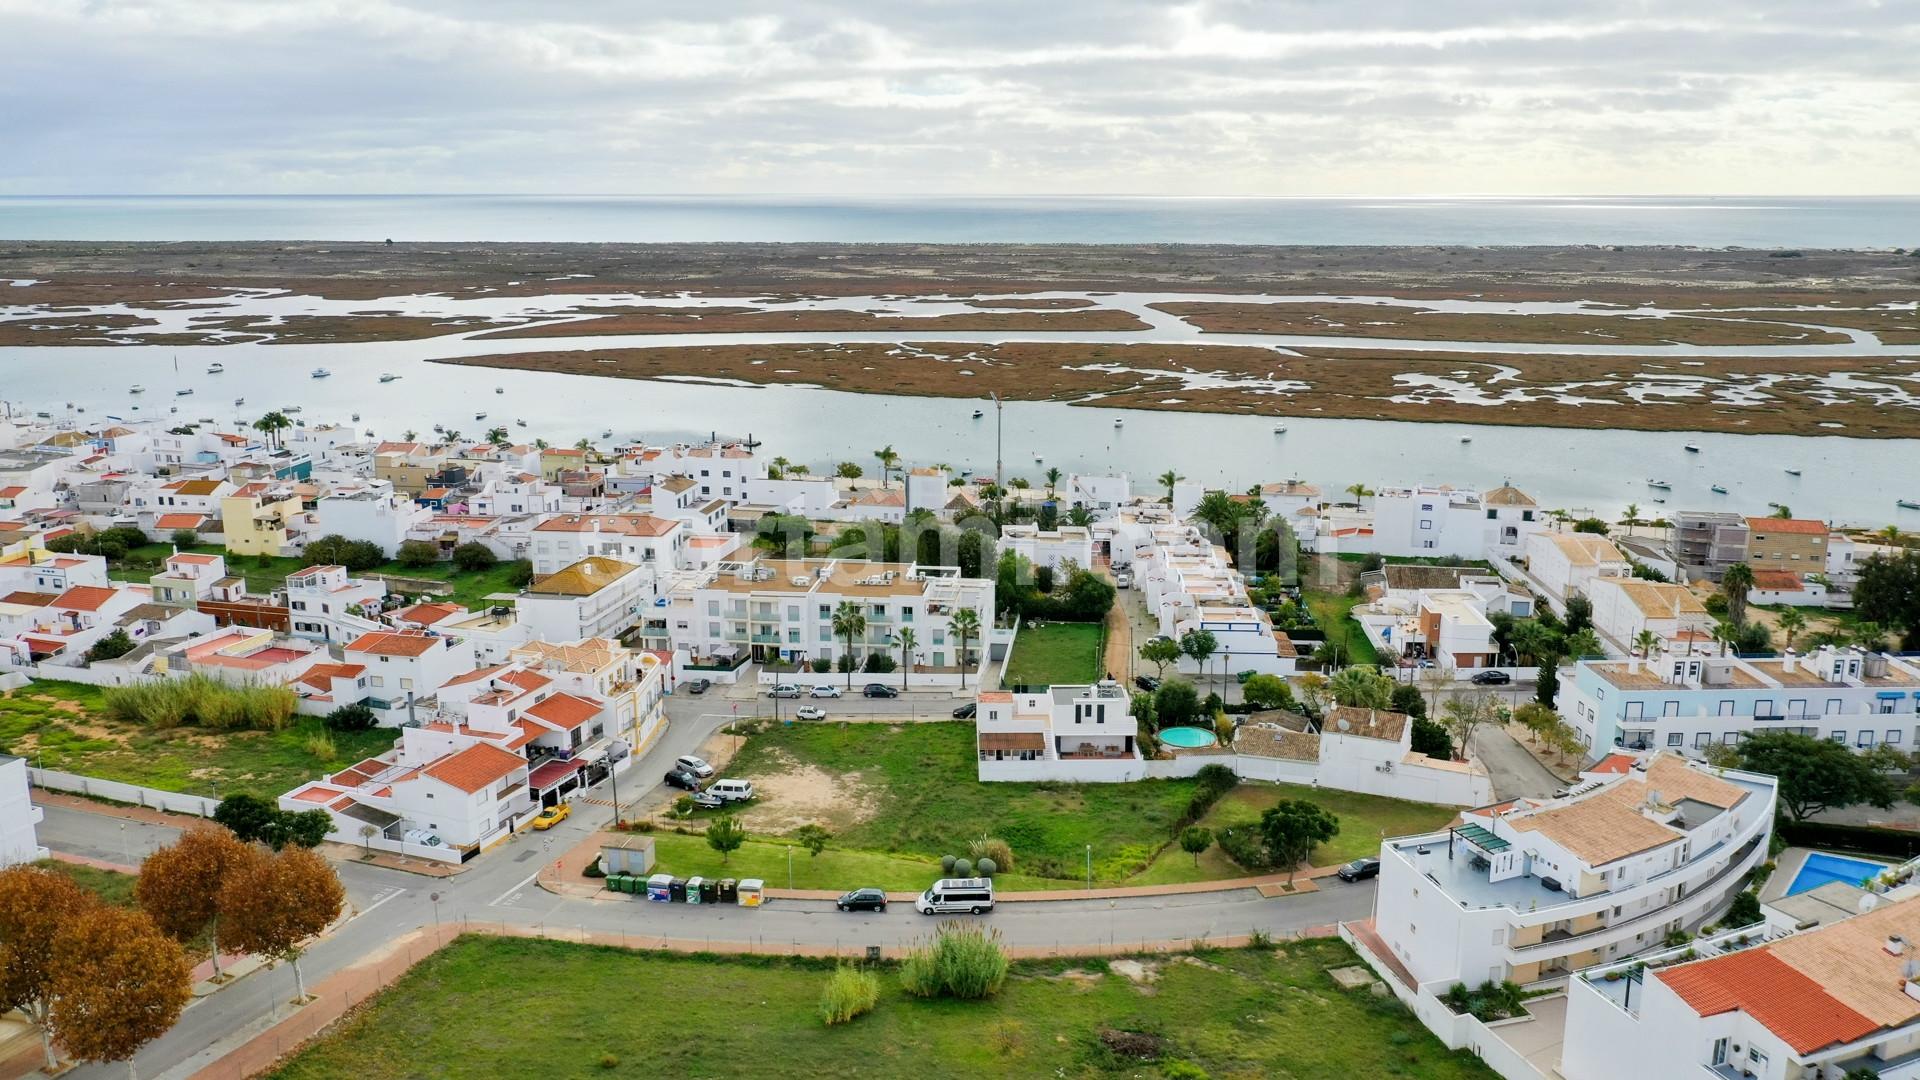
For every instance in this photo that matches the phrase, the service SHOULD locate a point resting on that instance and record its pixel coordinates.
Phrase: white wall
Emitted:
(18, 816)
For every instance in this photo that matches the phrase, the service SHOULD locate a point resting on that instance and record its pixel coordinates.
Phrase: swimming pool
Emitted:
(1821, 868)
(1187, 738)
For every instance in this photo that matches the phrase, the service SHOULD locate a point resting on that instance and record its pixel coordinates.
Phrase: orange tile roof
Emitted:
(321, 676)
(565, 711)
(1614, 764)
(394, 643)
(474, 676)
(1802, 526)
(195, 558)
(475, 767)
(29, 599)
(194, 487)
(996, 695)
(526, 680)
(179, 521)
(618, 524)
(429, 613)
(1777, 580)
(1760, 984)
(84, 598)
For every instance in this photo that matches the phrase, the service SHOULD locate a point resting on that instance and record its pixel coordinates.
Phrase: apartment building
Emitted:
(36, 569)
(631, 685)
(1190, 584)
(1793, 544)
(1049, 547)
(1439, 521)
(1624, 607)
(1065, 732)
(187, 578)
(593, 597)
(1565, 565)
(1705, 543)
(1686, 703)
(1534, 890)
(261, 519)
(325, 604)
(639, 539)
(18, 815)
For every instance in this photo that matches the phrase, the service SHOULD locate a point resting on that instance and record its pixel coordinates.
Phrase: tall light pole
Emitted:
(1089, 867)
(998, 441)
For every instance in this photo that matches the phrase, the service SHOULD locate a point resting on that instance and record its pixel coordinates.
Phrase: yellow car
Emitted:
(552, 815)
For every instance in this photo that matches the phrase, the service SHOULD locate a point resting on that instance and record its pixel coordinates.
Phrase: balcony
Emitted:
(1740, 863)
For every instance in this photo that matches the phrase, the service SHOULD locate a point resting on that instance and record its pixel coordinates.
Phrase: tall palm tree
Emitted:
(1359, 491)
(271, 425)
(1734, 585)
(452, 436)
(888, 459)
(964, 625)
(497, 436)
(1584, 643)
(1792, 622)
(1530, 639)
(849, 622)
(583, 445)
(409, 435)
(1633, 515)
(1724, 634)
(778, 469)
(541, 444)
(1053, 480)
(1645, 642)
(1167, 480)
(906, 640)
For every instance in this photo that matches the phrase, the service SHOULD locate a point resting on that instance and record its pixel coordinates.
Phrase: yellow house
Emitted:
(258, 520)
(18, 541)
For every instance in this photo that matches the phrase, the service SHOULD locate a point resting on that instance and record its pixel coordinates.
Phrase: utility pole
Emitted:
(998, 441)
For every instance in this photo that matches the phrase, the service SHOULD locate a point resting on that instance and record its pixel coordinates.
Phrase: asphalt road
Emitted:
(499, 887)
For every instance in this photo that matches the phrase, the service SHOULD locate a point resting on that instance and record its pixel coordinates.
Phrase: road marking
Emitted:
(384, 897)
(510, 893)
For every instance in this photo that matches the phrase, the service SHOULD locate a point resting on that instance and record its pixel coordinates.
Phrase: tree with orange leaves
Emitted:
(179, 886)
(35, 906)
(120, 983)
(271, 904)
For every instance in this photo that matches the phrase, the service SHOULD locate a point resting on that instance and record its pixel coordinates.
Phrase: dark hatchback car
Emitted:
(699, 686)
(874, 689)
(683, 779)
(1492, 678)
(965, 712)
(1146, 682)
(1359, 870)
(863, 900)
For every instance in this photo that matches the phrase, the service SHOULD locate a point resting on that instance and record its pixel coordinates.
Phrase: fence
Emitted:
(152, 798)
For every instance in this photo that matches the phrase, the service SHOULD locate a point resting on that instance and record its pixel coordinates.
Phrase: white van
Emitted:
(950, 896)
(731, 790)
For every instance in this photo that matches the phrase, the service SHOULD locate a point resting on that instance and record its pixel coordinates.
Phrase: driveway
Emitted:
(1514, 772)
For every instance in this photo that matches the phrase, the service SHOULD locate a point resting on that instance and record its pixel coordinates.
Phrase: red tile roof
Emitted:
(430, 613)
(474, 676)
(565, 711)
(1763, 986)
(192, 557)
(552, 773)
(321, 676)
(1777, 581)
(84, 598)
(172, 522)
(1803, 526)
(475, 767)
(1614, 764)
(390, 643)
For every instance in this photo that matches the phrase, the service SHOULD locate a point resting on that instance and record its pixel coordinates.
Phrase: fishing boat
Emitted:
(239, 401)
(1466, 438)
(321, 373)
(520, 423)
(1907, 504)
(977, 414)
(291, 409)
(1793, 472)
(1717, 490)
(1659, 485)
(136, 388)
(1691, 448)
(607, 433)
(388, 377)
(183, 391)
(480, 416)
(1659, 500)
(216, 368)
(370, 433)
(1279, 429)
(437, 427)
(499, 389)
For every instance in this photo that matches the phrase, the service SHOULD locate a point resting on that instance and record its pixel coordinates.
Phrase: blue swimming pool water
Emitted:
(1821, 868)
(1188, 737)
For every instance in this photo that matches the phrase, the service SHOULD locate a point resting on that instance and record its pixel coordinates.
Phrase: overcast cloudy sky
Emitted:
(900, 97)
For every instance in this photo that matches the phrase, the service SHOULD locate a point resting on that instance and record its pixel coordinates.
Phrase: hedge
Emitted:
(1899, 843)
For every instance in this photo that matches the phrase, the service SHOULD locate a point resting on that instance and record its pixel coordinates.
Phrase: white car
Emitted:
(824, 691)
(810, 712)
(694, 765)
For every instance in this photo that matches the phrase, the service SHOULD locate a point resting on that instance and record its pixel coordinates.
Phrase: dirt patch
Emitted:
(1426, 324)
(806, 794)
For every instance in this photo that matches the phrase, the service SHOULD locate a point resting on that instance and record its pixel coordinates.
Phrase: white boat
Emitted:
(356, 418)
(1906, 504)
(1119, 423)
(175, 408)
(1718, 489)
(1466, 438)
(1660, 485)
(321, 373)
(183, 391)
(388, 377)
(479, 416)
(977, 414)
(1279, 429)
(1793, 472)
(216, 368)
(136, 388)
(1691, 449)
(239, 401)
(292, 409)
(499, 389)
(520, 423)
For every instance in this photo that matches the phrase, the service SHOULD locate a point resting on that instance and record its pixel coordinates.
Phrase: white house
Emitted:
(404, 666)
(1442, 521)
(18, 815)
(1049, 548)
(469, 798)
(375, 513)
(1623, 607)
(594, 597)
(1066, 732)
(1565, 565)
(640, 539)
(1099, 494)
(327, 605)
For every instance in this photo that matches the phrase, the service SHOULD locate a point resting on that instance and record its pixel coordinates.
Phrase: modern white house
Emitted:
(1063, 732)
(1049, 547)
(1190, 584)
(325, 604)
(403, 666)
(1565, 565)
(639, 539)
(1530, 891)
(1441, 521)
(469, 798)
(1623, 607)
(1687, 703)
(594, 597)
(18, 815)
(373, 512)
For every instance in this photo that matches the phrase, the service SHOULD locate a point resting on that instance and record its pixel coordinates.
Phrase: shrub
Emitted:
(992, 849)
(879, 663)
(963, 868)
(609, 1061)
(964, 960)
(593, 869)
(819, 664)
(850, 992)
(417, 554)
(320, 745)
(111, 647)
(354, 717)
(986, 868)
(946, 865)
(1745, 910)
(1244, 846)
(520, 574)
(202, 701)
(185, 538)
(473, 556)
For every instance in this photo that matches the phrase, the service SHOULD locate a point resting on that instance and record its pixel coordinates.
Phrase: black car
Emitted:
(965, 712)
(1146, 682)
(863, 900)
(681, 778)
(699, 686)
(874, 689)
(1359, 870)
(1492, 678)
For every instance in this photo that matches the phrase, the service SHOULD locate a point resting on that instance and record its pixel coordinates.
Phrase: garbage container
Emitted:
(660, 888)
(677, 891)
(729, 891)
(694, 885)
(709, 891)
(618, 883)
(750, 891)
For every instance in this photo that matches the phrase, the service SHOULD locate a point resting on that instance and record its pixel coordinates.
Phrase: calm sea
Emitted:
(1706, 222)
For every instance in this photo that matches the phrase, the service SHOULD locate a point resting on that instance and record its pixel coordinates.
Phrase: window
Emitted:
(1893, 736)
(1674, 738)
(1426, 523)
(826, 611)
(1726, 707)
(1838, 736)
(1670, 708)
(1865, 739)
(1703, 738)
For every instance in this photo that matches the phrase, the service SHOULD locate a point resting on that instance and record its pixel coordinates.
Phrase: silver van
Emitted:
(732, 790)
(951, 896)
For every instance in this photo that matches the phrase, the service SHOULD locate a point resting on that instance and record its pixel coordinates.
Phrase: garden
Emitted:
(1260, 1011)
(74, 728)
(890, 801)
(1053, 653)
(264, 573)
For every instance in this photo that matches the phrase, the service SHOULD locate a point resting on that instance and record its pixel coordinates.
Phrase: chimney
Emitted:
(1787, 660)
(1896, 945)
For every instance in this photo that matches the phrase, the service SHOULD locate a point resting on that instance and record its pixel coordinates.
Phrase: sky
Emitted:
(1374, 97)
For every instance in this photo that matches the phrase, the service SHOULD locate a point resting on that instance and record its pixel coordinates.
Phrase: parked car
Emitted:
(699, 686)
(695, 765)
(1492, 678)
(731, 790)
(965, 712)
(863, 900)
(824, 690)
(810, 712)
(875, 689)
(1359, 870)
(707, 800)
(784, 690)
(683, 779)
(553, 815)
(1146, 682)
(421, 837)
(1123, 579)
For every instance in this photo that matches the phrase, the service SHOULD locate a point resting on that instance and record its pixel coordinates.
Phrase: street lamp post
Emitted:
(435, 897)
(789, 866)
(1089, 867)
(125, 852)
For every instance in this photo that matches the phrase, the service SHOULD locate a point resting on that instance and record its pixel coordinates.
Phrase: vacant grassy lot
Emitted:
(608, 1012)
(62, 726)
(265, 573)
(1054, 653)
(905, 795)
(1333, 614)
(110, 885)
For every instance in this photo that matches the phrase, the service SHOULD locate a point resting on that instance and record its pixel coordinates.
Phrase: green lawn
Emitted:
(265, 575)
(61, 726)
(1054, 653)
(608, 1012)
(1333, 613)
(918, 799)
(111, 885)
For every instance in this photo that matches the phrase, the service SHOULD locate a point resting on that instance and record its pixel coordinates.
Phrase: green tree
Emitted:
(1167, 480)
(1462, 713)
(1547, 689)
(498, 436)
(1361, 688)
(1199, 645)
(351, 717)
(1160, 652)
(1292, 827)
(1584, 643)
(963, 626)
(1645, 642)
(1176, 703)
(1430, 738)
(185, 538)
(848, 470)
(1536, 718)
(473, 557)
(888, 460)
(725, 835)
(111, 647)
(1195, 839)
(1791, 622)
(849, 623)
(1408, 699)
(417, 554)
(907, 642)
(1815, 774)
(1265, 691)
(1579, 613)
(812, 837)
(247, 815)
(1888, 593)
(271, 425)
(1734, 585)
(1532, 640)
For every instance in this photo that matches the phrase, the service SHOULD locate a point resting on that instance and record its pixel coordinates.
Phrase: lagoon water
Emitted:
(1709, 222)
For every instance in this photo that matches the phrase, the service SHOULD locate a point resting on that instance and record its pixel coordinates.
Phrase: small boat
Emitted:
(1466, 438)
(239, 401)
(136, 388)
(1691, 448)
(174, 409)
(370, 433)
(1037, 459)
(607, 434)
(388, 377)
(977, 414)
(1119, 423)
(293, 409)
(1279, 429)
(216, 368)
(1793, 472)
(321, 373)
(520, 423)
(437, 427)
(480, 416)
(499, 389)
(356, 418)
(1717, 490)
(1659, 500)
(1776, 506)
(1659, 485)
(183, 391)
(1907, 504)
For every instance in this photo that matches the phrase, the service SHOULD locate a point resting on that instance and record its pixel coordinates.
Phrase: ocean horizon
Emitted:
(1855, 222)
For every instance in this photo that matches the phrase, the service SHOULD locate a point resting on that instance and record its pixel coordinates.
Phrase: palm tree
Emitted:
(497, 436)
(1734, 585)
(1530, 639)
(1792, 622)
(1359, 491)
(451, 436)
(541, 444)
(409, 435)
(1869, 636)
(778, 468)
(964, 625)
(888, 459)
(583, 445)
(1079, 515)
(1633, 515)
(271, 425)
(849, 622)
(1167, 480)
(1645, 642)
(1053, 480)
(1584, 643)
(1725, 635)
(906, 640)
(1783, 512)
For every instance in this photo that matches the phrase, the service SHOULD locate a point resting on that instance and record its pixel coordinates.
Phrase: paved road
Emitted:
(1514, 772)
(499, 887)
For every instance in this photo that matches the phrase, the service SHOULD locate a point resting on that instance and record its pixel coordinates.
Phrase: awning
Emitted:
(1012, 740)
(1479, 837)
(43, 645)
(553, 773)
(1895, 694)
